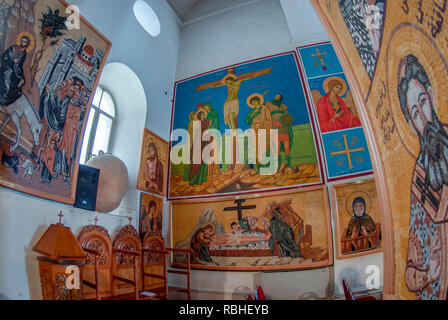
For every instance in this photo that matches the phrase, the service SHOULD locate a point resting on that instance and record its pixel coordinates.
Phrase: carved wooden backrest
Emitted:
(156, 243)
(126, 239)
(96, 238)
(153, 262)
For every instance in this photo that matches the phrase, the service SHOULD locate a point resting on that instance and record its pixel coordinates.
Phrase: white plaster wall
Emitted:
(24, 218)
(296, 285)
(153, 59)
(304, 25)
(218, 285)
(205, 8)
(248, 32)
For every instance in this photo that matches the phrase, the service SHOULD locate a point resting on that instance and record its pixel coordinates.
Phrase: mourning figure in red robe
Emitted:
(333, 113)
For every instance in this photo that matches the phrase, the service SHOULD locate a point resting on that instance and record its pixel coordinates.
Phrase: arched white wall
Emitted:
(24, 218)
(131, 106)
(153, 59)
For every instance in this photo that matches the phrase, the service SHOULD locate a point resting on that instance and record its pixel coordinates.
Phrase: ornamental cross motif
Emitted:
(320, 56)
(348, 152)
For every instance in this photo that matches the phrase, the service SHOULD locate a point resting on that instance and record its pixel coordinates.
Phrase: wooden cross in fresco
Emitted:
(234, 88)
(96, 220)
(348, 152)
(320, 56)
(239, 207)
(60, 215)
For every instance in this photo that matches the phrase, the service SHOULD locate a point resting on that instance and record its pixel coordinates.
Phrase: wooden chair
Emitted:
(187, 273)
(126, 262)
(95, 274)
(154, 271)
(155, 251)
(349, 295)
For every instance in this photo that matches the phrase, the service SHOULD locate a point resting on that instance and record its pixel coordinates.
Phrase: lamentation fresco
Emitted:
(280, 231)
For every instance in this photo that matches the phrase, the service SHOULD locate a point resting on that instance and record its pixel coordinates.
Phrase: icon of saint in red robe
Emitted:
(333, 113)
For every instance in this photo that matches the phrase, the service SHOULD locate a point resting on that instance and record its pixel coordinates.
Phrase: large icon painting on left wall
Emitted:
(48, 75)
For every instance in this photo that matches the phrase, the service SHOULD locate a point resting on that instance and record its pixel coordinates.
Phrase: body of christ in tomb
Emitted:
(269, 235)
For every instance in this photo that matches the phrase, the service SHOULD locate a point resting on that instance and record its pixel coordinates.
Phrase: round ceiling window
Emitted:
(147, 17)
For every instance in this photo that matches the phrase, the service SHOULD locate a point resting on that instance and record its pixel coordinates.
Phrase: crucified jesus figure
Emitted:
(233, 84)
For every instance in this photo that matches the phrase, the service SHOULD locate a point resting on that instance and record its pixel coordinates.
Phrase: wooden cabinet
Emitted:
(60, 249)
(53, 279)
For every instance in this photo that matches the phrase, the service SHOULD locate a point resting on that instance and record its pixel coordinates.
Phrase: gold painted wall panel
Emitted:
(409, 48)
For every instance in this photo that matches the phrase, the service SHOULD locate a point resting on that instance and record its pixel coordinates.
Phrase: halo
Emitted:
(423, 48)
(229, 76)
(210, 224)
(344, 85)
(253, 96)
(196, 115)
(158, 148)
(32, 40)
(260, 222)
(151, 141)
(353, 196)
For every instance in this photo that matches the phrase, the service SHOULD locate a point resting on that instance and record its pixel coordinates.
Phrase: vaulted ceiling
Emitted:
(191, 10)
(182, 6)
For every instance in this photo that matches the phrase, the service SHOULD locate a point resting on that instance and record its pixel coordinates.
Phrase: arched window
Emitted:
(99, 125)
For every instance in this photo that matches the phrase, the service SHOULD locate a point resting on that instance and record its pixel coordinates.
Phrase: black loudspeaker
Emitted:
(87, 187)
